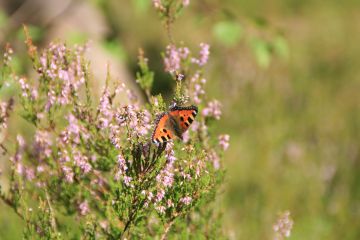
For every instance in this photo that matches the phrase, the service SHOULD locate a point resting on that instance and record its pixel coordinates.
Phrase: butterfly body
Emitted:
(173, 123)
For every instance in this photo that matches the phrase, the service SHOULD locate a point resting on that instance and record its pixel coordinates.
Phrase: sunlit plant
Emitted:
(91, 170)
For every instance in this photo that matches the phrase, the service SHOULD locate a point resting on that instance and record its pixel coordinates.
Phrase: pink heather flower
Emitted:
(19, 168)
(214, 158)
(144, 123)
(185, 3)
(104, 224)
(29, 174)
(69, 174)
(195, 126)
(180, 77)
(34, 94)
(5, 108)
(73, 131)
(25, 88)
(169, 153)
(283, 226)
(40, 184)
(200, 165)
(121, 167)
(40, 169)
(114, 135)
(20, 141)
(82, 162)
(73, 126)
(7, 54)
(186, 137)
(198, 89)
(224, 141)
(183, 52)
(127, 181)
(170, 203)
(64, 156)
(105, 110)
(160, 195)
(150, 196)
(120, 88)
(213, 109)
(138, 121)
(3, 114)
(160, 209)
(43, 61)
(166, 177)
(43, 143)
(93, 158)
(204, 55)
(173, 57)
(84, 208)
(185, 176)
(158, 5)
(16, 159)
(65, 73)
(51, 99)
(131, 95)
(186, 200)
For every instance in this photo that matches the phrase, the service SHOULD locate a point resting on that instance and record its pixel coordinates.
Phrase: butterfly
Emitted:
(173, 123)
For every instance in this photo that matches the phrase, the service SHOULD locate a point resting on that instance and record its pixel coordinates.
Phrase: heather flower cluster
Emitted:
(224, 141)
(92, 160)
(66, 72)
(7, 55)
(176, 57)
(283, 226)
(212, 110)
(163, 6)
(5, 108)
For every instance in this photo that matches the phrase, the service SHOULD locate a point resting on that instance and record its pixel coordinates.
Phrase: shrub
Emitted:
(90, 169)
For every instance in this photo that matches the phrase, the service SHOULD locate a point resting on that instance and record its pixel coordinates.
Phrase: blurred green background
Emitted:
(287, 73)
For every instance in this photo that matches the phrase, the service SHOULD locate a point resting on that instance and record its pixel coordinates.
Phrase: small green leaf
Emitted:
(35, 32)
(280, 46)
(3, 19)
(262, 52)
(116, 49)
(76, 38)
(228, 32)
(141, 6)
(260, 21)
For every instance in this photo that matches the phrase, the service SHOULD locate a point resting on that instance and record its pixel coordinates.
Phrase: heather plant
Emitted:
(88, 168)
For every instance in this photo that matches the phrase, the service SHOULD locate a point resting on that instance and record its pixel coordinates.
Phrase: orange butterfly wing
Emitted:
(173, 123)
(163, 131)
(183, 116)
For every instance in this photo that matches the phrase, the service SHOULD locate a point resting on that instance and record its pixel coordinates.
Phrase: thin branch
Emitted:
(167, 229)
(10, 204)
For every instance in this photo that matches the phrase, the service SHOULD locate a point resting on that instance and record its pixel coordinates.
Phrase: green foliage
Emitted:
(144, 77)
(142, 5)
(75, 38)
(96, 164)
(34, 31)
(228, 32)
(281, 47)
(262, 51)
(116, 49)
(3, 19)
